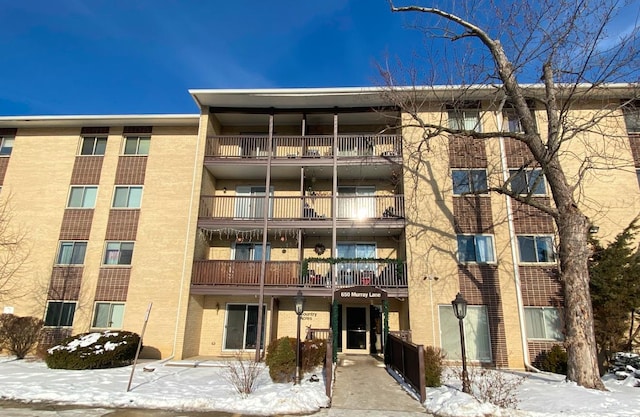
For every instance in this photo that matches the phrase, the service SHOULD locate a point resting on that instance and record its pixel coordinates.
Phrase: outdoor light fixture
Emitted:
(299, 307)
(594, 229)
(460, 310)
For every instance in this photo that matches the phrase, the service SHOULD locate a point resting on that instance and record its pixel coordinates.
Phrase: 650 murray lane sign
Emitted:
(362, 294)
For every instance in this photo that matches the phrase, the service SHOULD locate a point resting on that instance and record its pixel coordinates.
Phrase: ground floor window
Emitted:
(108, 315)
(60, 314)
(543, 323)
(241, 327)
(476, 333)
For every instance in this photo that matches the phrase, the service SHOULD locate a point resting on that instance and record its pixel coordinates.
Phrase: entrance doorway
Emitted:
(355, 325)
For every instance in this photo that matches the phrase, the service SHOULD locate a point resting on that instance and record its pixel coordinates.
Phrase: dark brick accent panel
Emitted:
(527, 219)
(94, 130)
(518, 154)
(122, 224)
(472, 214)
(86, 170)
(52, 336)
(541, 286)
(137, 130)
(537, 349)
(65, 283)
(113, 284)
(8, 131)
(76, 224)
(4, 163)
(479, 285)
(634, 142)
(131, 170)
(466, 152)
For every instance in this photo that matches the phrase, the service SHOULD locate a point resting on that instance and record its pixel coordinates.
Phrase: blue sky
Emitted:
(139, 56)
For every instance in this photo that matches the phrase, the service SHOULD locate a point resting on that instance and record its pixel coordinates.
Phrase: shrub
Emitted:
(433, 366)
(554, 360)
(19, 335)
(109, 349)
(243, 375)
(495, 386)
(281, 359)
(313, 353)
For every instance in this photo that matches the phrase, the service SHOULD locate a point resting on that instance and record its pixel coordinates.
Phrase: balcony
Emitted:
(224, 273)
(304, 147)
(308, 208)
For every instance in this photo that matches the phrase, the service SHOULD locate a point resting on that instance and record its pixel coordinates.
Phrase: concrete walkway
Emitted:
(363, 387)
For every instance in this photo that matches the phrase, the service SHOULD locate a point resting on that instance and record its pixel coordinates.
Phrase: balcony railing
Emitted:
(315, 146)
(301, 208)
(288, 273)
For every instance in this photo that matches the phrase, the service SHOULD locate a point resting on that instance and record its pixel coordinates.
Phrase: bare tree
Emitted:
(566, 49)
(14, 251)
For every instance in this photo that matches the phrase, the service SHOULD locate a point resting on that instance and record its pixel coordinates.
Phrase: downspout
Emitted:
(512, 239)
(188, 231)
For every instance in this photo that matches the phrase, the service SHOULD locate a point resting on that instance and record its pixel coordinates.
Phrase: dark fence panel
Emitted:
(408, 360)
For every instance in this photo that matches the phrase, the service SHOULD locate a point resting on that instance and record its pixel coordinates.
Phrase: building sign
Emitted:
(360, 295)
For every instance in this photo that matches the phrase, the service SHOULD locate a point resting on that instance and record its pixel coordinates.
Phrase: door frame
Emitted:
(367, 348)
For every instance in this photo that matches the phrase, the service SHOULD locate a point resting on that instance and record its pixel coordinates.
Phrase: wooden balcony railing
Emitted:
(315, 146)
(288, 273)
(301, 208)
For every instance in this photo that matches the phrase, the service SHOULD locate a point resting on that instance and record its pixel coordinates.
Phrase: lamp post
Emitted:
(299, 306)
(460, 310)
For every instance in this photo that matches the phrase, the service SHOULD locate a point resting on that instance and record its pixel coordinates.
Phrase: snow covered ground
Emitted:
(205, 388)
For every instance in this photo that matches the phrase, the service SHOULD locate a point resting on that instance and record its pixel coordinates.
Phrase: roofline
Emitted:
(101, 120)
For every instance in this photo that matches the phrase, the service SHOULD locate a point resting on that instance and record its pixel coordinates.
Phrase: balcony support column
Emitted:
(334, 207)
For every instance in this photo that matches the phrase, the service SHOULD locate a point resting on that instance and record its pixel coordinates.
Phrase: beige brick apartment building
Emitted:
(268, 192)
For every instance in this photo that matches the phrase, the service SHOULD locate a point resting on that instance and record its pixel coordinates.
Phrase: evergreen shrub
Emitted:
(281, 360)
(108, 349)
(554, 360)
(433, 366)
(313, 353)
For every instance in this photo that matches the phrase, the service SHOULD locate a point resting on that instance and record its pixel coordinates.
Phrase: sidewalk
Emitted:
(363, 387)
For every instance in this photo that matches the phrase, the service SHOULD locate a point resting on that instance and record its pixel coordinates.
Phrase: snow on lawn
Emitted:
(205, 388)
(202, 388)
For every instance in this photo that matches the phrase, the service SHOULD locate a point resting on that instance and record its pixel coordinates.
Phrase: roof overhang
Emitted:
(100, 120)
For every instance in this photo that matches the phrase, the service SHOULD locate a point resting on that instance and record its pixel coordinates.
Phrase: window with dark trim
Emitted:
(536, 249)
(60, 313)
(6, 145)
(469, 181)
(71, 253)
(136, 145)
(93, 145)
(528, 181)
(118, 253)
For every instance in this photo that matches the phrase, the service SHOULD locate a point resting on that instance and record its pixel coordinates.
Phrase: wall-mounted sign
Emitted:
(360, 294)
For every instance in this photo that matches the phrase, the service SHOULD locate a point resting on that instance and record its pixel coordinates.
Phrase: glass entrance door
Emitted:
(356, 325)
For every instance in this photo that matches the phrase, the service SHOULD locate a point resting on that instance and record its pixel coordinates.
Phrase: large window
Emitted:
(464, 120)
(60, 314)
(543, 323)
(118, 253)
(93, 145)
(528, 181)
(241, 327)
(82, 197)
(136, 145)
(251, 252)
(356, 202)
(6, 145)
(71, 253)
(469, 181)
(475, 248)
(108, 315)
(127, 197)
(536, 248)
(250, 202)
(476, 333)
(632, 119)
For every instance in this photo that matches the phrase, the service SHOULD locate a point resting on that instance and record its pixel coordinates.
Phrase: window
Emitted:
(536, 249)
(127, 197)
(362, 251)
(108, 315)
(476, 333)
(71, 253)
(250, 202)
(241, 327)
(464, 120)
(632, 119)
(93, 145)
(469, 180)
(356, 202)
(511, 122)
(118, 253)
(136, 145)
(475, 248)
(251, 252)
(543, 323)
(6, 145)
(528, 181)
(60, 313)
(82, 197)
